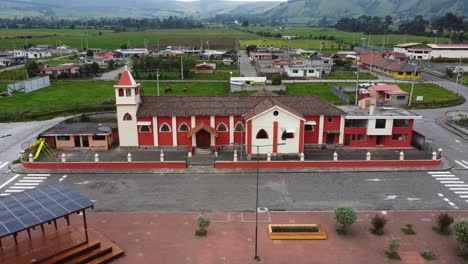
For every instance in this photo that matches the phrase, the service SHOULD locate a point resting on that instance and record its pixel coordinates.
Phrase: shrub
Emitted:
(461, 233)
(345, 216)
(428, 255)
(203, 223)
(276, 79)
(378, 224)
(392, 249)
(408, 230)
(444, 220)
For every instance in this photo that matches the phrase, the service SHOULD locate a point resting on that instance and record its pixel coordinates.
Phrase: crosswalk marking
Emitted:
(456, 185)
(22, 187)
(447, 179)
(461, 192)
(43, 175)
(34, 178)
(26, 182)
(10, 180)
(452, 182)
(4, 164)
(443, 175)
(463, 196)
(439, 172)
(30, 181)
(462, 163)
(458, 189)
(13, 191)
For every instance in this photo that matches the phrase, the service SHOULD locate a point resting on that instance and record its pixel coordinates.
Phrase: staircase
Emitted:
(95, 252)
(203, 151)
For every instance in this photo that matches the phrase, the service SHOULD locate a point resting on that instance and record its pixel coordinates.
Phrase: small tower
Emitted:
(127, 100)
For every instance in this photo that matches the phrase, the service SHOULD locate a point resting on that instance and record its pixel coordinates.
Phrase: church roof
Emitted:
(126, 79)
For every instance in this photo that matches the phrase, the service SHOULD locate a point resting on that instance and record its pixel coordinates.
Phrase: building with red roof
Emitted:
(395, 68)
(388, 94)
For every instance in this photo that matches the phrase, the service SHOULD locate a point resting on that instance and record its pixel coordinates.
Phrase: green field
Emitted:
(349, 37)
(15, 74)
(316, 89)
(330, 46)
(434, 96)
(348, 75)
(60, 62)
(10, 38)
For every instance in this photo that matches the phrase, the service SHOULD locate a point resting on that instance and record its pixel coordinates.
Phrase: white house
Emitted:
(449, 50)
(32, 53)
(302, 72)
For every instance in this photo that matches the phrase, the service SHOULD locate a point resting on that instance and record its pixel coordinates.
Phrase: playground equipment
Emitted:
(41, 145)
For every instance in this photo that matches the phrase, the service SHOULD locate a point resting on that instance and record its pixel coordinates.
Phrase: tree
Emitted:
(89, 53)
(245, 24)
(123, 46)
(110, 64)
(276, 79)
(32, 68)
(250, 48)
(345, 216)
(444, 220)
(461, 233)
(203, 223)
(378, 224)
(95, 69)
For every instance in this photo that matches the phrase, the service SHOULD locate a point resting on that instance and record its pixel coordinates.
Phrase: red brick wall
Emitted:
(182, 139)
(311, 137)
(333, 125)
(223, 138)
(165, 138)
(146, 138)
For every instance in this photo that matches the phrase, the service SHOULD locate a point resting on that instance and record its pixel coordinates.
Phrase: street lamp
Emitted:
(157, 79)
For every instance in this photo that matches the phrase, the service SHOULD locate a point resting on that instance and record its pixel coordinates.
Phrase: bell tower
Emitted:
(127, 100)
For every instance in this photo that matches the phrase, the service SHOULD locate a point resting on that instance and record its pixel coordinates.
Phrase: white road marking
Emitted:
(439, 172)
(463, 196)
(13, 191)
(458, 189)
(10, 180)
(26, 184)
(35, 178)
(391, 197)
(461, 164)
(460, 192)
(442, 175)
(414, 199)
(4, 194)
(63, 178)
(466, 162)
(22, 187)
(456, 185)
(4, 164)
(440, 195)
(447, 199)
(30, 181)
(452, 182)
(374, 180)
(448, 179)
(43, 175)
(452, 204)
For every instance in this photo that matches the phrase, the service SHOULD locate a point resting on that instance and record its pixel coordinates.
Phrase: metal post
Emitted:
(357, 85)
(85, 225)
(182, 67)
(157, 79)
(257, 258)
(412, 85)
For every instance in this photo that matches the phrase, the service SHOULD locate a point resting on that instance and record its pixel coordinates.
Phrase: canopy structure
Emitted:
(25, 210)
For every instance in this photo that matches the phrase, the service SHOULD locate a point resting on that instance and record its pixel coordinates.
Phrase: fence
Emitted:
(340, 93)
(29, 85)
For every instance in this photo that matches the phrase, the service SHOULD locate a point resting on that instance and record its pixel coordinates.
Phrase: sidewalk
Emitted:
(169, 238)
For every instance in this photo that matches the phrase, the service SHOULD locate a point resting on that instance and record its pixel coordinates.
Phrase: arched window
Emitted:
(222, 127)
(127, 117)
(183, 127)
(128, 92)
(308, 127)
(287, 135)
(121, 92)
(145, 129)
(262, 134)
(239, 127)
(165, 128)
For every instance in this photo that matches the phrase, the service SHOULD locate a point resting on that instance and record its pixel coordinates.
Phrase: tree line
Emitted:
(448, 24)
(101, 23)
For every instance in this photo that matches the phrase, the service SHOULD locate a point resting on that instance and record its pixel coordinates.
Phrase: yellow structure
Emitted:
(41, 145)
(320, 235)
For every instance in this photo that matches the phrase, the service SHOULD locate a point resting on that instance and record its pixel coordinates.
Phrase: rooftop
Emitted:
(387, 88)
(448, 46)
(65, 129)
(406, 45)
(354, 111)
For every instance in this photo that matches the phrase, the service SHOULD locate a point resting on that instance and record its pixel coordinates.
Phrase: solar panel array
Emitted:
(26, 209)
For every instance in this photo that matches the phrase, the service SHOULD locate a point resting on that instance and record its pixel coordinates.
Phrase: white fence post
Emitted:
(434, 155)
(235, 155)
(402, 155)
(161, 156)
(302, 156)
(335, 156)
(31, 158)
(129, 157)
(368, 156)
(96, 157)
(440, 153)
(64, 157)
(269, 156)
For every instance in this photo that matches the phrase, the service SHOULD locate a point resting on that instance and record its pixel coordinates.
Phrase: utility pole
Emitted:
(86, 34)
(357, 85)
(157, 79)
(182, 67)
(412, 84)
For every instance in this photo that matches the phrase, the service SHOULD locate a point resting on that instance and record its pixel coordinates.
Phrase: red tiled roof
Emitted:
(376, 60)
(127, 79)
(387, 88)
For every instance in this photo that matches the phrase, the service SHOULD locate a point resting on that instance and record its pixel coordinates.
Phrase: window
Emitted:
(97, 137)
(128, 92)
(222, 127)
(121, 92)
(165, 128)
(355, 123)
(287, 135)
(353, 137)
(145, 129)
(400, 73)
(239, 127)
(400, 137)
(63, 138)
(330, 119)
(262, 134)
(400, 123)
(127, 117)
(308, 127)
(401, 97)
(137, 91)
(183, 127)
(361, 137)
(380, 123)
(295, 71)
(275, 113)
(311, 71)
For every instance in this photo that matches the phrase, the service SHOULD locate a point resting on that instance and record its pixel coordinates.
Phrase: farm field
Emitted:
(15, 74)
(106, 39)
(349, 37)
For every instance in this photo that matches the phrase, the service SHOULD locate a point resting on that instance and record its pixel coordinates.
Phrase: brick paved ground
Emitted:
(169, 238)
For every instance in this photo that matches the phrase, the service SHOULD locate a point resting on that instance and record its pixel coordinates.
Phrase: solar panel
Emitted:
(19, 211)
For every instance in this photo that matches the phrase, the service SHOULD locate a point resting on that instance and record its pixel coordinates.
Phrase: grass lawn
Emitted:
(217, 75)
(73, 97)
(465, 79)
(330, 46)
(3, 87)
(15, 74)
(317, 89)
(434, 96)
(60, 62)
(348, 75)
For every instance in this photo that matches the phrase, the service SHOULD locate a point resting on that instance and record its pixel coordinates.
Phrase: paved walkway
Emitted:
(246, 69)
(169, 238)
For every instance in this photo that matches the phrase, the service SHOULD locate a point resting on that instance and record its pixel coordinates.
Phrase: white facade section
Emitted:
(128, 131)
(192, 125)
(320, 135)
(174, 131)
(286, 121)
(373, 130)
(231, 129)
(130, 99)
(447, 53)
(212, 137)
(341, 136)
(155, 131)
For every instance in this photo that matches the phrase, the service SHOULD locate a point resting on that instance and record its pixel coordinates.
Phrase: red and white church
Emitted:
(285, 123)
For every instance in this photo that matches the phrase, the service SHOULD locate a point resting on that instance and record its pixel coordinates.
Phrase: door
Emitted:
(77, 141)
(330, 139)
(379, 140)
(85, 141)
(347, 141)
(203, 139)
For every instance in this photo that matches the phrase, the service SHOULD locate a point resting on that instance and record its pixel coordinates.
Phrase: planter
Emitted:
(297, 235)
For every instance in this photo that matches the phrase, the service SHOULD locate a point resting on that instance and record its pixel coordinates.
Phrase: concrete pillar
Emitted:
(434, 155)
(96, 157)
(368, 156)
(31, 158)
(22, 154)
(64, 157)
(129, 157)
(302, 156)
(269, 156)
(335, 156)
(440, 153)
(235, 155)
(402, 155)
(161, 156)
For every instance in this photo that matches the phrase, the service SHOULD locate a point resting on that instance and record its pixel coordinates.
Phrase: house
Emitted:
(261, 56)
(325, 63)
(374, 127)
(283, 62)
(248, 80)
(32, 53)
(305, 53)
(57, 70)
(127, 53)
(89, 136)
(414, 51)
(188, 122)
(388, 94)
(448, 51)
(205, 68)
(8, 59)
(392, 55)
(395, 68)
(302, 72)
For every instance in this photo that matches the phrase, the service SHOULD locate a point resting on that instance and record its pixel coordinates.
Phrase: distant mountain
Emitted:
(136, 8)
(313, 10)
